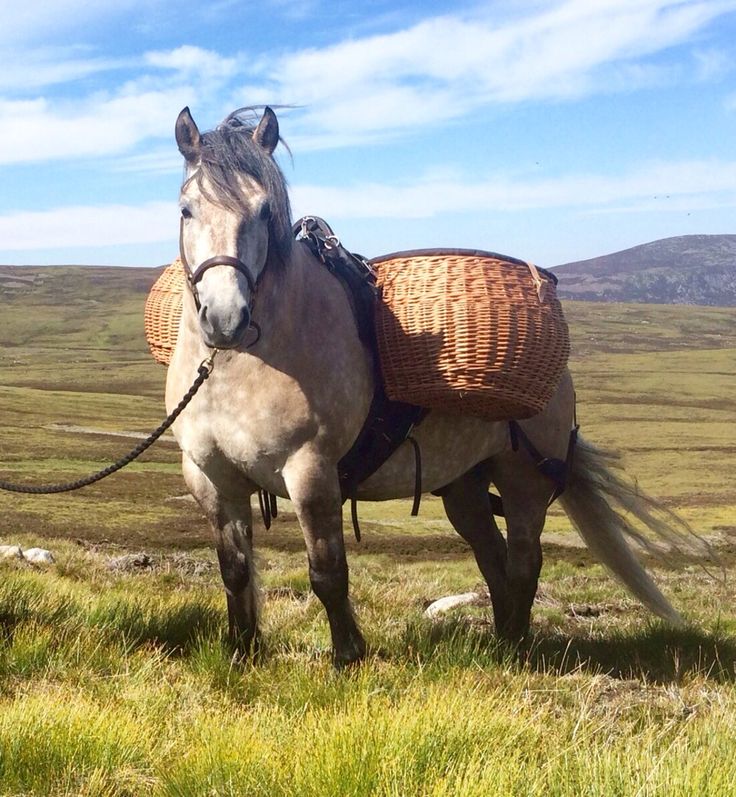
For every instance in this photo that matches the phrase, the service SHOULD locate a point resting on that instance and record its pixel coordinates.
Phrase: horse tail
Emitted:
(606, 507)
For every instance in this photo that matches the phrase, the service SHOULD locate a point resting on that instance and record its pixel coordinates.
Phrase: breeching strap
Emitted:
(556, 470)
(203, 372)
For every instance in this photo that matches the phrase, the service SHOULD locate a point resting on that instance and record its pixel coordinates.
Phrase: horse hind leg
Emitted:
(525, 493)
(231, 522)
(468, 509)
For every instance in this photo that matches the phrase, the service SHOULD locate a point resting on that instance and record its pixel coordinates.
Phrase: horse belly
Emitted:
(449, 446)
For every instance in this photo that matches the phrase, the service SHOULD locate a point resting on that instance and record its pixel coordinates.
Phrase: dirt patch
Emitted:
(72, 429)
(180, 563)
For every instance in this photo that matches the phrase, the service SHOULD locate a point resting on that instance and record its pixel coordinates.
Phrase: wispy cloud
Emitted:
(87, 226)
(713, 64)
(47, 67)
(195, 62)
(357, 90)
(159, 160)
(112, 122)
(38, 130)
(36, 21)
(664, 186)
(445, 67)
(676, 187)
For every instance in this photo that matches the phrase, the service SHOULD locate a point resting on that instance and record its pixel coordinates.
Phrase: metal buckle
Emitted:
(209, 362)
(305, 231)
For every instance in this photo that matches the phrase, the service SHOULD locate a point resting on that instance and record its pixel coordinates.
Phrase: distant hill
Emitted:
(60, 284)
(687, 269)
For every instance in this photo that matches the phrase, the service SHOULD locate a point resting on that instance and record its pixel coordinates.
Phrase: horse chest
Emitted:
(252, 431)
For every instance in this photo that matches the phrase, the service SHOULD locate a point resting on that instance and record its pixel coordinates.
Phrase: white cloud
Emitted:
(193, 61)
(445, 67)
(49, 67)
(87, 226)
(664, 186)
(37, 130)
(163, 160)
(712, 64)
(355, 91)
(677, 187)
(106, 123)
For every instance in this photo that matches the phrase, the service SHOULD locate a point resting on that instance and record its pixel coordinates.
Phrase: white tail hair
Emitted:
(606, 506)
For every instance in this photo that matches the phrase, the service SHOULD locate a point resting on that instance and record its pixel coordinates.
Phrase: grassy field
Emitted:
(114, 679)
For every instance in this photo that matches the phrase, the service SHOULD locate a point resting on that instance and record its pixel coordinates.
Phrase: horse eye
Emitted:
(265, 212)
(186, 213)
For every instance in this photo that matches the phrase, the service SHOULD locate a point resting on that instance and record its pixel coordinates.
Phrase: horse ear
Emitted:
(187, 137)
(266, 135)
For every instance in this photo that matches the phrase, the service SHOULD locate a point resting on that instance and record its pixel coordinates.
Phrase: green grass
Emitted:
(118, 683)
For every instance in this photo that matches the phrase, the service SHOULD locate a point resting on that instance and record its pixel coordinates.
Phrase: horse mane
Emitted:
(229, 152)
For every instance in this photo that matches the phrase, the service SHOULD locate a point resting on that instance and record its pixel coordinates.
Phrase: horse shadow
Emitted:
(654, 654)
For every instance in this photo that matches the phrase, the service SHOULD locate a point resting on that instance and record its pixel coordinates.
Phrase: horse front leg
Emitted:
(315, 493)
(231, 522)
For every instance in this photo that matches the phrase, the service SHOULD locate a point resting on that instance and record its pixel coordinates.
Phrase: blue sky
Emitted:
(551, 130)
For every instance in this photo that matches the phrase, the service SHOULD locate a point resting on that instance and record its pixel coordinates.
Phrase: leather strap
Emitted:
(269, 507)
(222, 260)
(388, 423)
(417, 476)
(556, 470)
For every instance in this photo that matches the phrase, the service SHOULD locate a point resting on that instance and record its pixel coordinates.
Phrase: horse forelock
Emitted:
(229, 153)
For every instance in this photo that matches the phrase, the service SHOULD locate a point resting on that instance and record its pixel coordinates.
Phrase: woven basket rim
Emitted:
(442, 252)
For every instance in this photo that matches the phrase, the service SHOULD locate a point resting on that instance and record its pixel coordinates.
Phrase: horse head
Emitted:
(235, 219)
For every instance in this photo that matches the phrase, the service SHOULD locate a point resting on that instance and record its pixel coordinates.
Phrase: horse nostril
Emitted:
(203, 320)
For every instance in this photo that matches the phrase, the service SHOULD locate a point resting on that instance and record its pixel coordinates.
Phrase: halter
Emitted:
(193, 277)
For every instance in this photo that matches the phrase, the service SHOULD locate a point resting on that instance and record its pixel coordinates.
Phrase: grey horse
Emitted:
(279, 412)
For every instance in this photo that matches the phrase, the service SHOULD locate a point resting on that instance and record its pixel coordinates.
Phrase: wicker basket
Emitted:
(463, 331)
(469, 332)
(163, 312)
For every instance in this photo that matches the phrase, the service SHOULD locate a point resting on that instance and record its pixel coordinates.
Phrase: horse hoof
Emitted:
(513, 636)
(246, 647)
(349, 657)
(344, 662)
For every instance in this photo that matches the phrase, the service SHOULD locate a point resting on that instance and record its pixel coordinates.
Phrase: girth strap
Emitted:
(417, 476)
(556, 470)
(417, 489)
(388, 423)
(269, 507)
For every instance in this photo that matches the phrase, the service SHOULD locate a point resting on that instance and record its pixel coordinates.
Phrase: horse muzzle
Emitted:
(223, 328)
(223, 324)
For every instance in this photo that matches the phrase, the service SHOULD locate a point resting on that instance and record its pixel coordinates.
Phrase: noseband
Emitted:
(193, 277)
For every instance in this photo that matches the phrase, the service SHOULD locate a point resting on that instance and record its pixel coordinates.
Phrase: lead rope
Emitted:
(203, 372)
